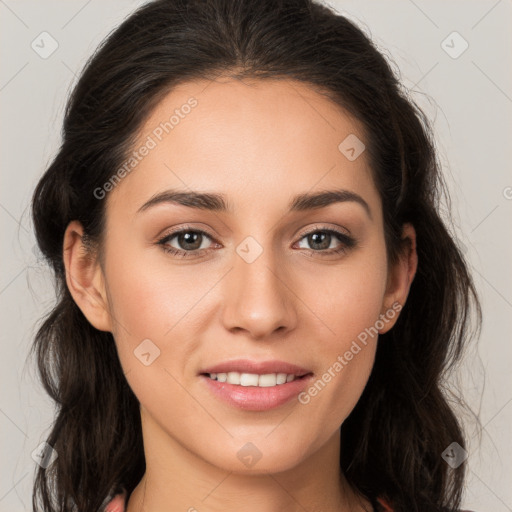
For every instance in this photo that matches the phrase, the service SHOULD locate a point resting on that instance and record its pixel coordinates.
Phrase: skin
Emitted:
(259, 143)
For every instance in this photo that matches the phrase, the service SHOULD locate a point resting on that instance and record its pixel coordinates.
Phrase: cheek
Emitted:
(347, 298)
(348, 303)
(149, 295)
(155, 334)
(159, 303)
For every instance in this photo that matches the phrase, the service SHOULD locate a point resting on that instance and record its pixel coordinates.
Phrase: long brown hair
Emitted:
(393, 440)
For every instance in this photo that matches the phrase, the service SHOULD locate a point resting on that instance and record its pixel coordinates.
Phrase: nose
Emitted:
(258, 298)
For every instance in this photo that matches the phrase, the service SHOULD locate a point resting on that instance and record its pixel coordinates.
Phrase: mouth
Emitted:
(256, 386)
(266, 380)
(245, 372)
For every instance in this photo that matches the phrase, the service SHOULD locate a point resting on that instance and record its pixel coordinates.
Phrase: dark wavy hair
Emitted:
(393, 440)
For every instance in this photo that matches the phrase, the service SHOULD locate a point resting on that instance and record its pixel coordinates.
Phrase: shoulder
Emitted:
(116, 504)
(386, 506)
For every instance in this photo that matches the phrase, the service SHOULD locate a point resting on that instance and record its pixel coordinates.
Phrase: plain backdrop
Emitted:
(463, 82)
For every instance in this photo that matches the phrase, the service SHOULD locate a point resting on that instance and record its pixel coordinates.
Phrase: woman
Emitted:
(257, 295)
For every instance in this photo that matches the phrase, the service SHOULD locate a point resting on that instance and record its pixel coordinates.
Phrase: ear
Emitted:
(400, 277)
(84, 278)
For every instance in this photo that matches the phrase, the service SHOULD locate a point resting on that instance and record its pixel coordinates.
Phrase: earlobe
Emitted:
(401, 277)
(84, 278)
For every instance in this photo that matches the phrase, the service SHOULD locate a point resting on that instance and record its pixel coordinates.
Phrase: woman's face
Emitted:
(267, 282)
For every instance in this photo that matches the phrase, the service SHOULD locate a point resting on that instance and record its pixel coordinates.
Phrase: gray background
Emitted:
(469, 98)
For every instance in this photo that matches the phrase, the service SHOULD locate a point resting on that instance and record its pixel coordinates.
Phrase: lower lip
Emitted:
(254, 398)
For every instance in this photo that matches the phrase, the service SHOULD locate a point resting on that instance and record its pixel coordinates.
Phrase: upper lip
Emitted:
(259, 367)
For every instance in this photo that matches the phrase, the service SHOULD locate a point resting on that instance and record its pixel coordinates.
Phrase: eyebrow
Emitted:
(219, 203)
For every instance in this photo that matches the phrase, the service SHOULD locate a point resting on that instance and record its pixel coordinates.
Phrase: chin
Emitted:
(259, 454)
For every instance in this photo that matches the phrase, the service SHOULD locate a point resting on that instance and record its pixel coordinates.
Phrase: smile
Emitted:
(253, 379)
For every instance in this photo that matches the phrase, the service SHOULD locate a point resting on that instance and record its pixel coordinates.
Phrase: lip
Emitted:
(259, 367)
(255, 398)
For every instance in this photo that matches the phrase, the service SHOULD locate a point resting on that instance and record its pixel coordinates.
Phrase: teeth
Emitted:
(233, 378)
(248, 379)
(281, 378)
(253, 379)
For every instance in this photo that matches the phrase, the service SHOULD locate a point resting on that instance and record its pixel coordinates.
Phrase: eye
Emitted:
(321, 240)
(189, 241)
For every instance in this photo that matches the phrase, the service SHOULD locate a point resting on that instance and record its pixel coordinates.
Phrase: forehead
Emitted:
(263, 139)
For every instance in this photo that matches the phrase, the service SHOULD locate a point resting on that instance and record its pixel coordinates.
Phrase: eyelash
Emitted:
(346, 241)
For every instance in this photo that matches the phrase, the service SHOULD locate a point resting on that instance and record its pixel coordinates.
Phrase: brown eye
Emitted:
(188, 242)
(320, 241)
